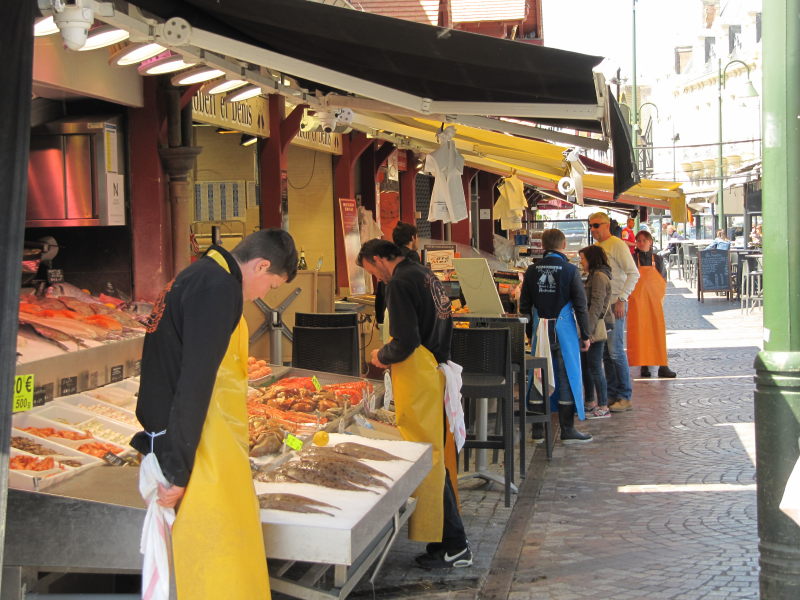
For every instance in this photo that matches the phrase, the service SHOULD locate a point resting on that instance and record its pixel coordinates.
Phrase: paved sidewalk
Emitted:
(661, 505)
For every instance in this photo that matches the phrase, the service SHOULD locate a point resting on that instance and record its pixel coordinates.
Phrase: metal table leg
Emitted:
(482, 434)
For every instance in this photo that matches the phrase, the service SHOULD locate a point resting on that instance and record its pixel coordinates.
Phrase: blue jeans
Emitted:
(594, 375)
(618, 376)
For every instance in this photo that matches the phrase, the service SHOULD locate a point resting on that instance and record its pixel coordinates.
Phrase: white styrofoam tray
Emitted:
(79, 418)
(41, 480)
(342, 538)
(34, 419)
(126, 417)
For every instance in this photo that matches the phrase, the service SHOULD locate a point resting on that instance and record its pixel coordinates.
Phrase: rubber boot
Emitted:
(566, 419)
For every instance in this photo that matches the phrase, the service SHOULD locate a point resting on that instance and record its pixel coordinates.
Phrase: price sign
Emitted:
(69, 386)
(42, 394)
(114, 460)
(293, 442)
(116, 373)
(316, 383)
(23, 393)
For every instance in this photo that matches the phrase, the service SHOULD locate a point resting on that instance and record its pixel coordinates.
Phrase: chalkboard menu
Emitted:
(713, 272)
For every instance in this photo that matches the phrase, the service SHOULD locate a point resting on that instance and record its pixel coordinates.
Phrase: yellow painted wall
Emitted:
(311, 204)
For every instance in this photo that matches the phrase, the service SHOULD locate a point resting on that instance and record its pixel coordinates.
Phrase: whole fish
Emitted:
(67, 289)
(362, 451)
(314, 476)
(293, 503)
(55, 336)
(316, 453)
(341, 470)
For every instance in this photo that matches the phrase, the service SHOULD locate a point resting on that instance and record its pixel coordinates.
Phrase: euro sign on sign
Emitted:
(23, 393)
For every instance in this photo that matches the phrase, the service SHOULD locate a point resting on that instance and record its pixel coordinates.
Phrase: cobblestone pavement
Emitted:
(661, 505)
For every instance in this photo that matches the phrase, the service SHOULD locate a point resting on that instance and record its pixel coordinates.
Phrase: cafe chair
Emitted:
(329, 349)
(485, 356)
(334, 319)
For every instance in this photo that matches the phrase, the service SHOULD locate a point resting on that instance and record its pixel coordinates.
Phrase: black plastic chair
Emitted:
(519, 372)
(331, 349)
(335, 319)
(484, 354)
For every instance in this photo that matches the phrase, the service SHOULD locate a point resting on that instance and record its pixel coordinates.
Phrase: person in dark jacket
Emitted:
(598, 294)
(192, 406)
(405, 237)
(421, 328)
(552, 293)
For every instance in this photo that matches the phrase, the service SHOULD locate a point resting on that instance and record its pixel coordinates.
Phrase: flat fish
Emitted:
(328, 454)
(341, 470)
(294, 503)
(362, 451)
(78, 306)
(55, 336)
(316, 477)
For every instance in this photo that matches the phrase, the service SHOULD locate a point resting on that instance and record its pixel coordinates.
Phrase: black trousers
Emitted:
(453, 536)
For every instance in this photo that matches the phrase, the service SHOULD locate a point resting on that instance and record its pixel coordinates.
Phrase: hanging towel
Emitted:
(543, 349)
(452, 402)
(155, 542)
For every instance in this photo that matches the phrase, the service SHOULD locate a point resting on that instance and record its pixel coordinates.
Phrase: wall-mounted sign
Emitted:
(318, 140)
(247, 116)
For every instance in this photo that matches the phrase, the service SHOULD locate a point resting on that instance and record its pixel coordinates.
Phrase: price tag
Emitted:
(316, 383)
(42, 394)
(114, 460)
(69, 386)
(23, 393)
(293, 442)
(116, 373)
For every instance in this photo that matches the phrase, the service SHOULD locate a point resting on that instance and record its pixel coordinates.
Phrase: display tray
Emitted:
(342, 538)
(31, 480)
(35, 419)
(326, 378)
(92, 405)
(278, 372)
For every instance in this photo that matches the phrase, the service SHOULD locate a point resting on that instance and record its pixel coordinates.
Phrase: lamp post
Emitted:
(750, 92)
(634, 103)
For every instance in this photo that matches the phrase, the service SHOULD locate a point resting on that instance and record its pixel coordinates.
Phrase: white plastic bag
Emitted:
(790, 503)
(452, 402)
(155, 543)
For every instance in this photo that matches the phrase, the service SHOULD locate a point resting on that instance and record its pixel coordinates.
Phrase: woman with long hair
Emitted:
(647, 330)
(598, 297)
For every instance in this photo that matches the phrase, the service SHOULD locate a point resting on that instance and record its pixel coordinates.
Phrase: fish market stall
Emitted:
(70, 510)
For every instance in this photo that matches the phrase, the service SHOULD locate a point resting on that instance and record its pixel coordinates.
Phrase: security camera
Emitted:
(327, 120)
(73, 18)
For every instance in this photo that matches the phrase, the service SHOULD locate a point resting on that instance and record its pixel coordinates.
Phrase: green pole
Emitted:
(720, 181)
(635, 100)
(777, 395)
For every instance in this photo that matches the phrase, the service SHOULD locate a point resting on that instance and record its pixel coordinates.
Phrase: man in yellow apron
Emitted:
(421, 328)
(192, 405)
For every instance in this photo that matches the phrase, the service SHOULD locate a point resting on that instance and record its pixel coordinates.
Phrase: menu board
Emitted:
(713, 272)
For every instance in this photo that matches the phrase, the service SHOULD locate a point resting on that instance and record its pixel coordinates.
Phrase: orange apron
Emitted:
(217, 540)
(647, 332)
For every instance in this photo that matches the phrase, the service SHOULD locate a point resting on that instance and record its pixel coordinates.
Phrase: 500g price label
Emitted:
(23, 393)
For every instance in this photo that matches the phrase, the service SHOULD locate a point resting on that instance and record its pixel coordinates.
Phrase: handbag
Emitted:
(600, 333)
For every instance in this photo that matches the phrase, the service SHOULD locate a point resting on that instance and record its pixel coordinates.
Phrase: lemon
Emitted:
(321, 438)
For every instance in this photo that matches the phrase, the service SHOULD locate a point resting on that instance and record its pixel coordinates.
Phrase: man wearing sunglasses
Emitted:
(624, 276)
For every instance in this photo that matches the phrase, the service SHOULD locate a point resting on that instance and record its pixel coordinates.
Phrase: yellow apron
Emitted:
(217, 541)
(647, 331)
(418, 388)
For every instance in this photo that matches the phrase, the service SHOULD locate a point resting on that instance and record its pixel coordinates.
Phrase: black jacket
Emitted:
(187, 337)
(549, 285)
(419, 314)
(380, 289)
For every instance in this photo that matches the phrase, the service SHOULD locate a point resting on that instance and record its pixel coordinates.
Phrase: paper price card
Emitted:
(317, 384)
(23, 393)
(293, 442)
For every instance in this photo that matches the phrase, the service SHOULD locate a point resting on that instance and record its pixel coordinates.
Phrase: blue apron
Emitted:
(569, 342)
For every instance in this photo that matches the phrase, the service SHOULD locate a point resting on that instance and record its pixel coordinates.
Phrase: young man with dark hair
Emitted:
(405, 236)
(192, 405)
(421, 328)
(553, 294)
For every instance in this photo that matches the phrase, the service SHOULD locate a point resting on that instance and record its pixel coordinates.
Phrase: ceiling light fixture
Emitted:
(135, 53)
(104, 35)
(246, 92)
(219, 87)
(159, 65)
(196, 75)
(45, 26)
(248, 140)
